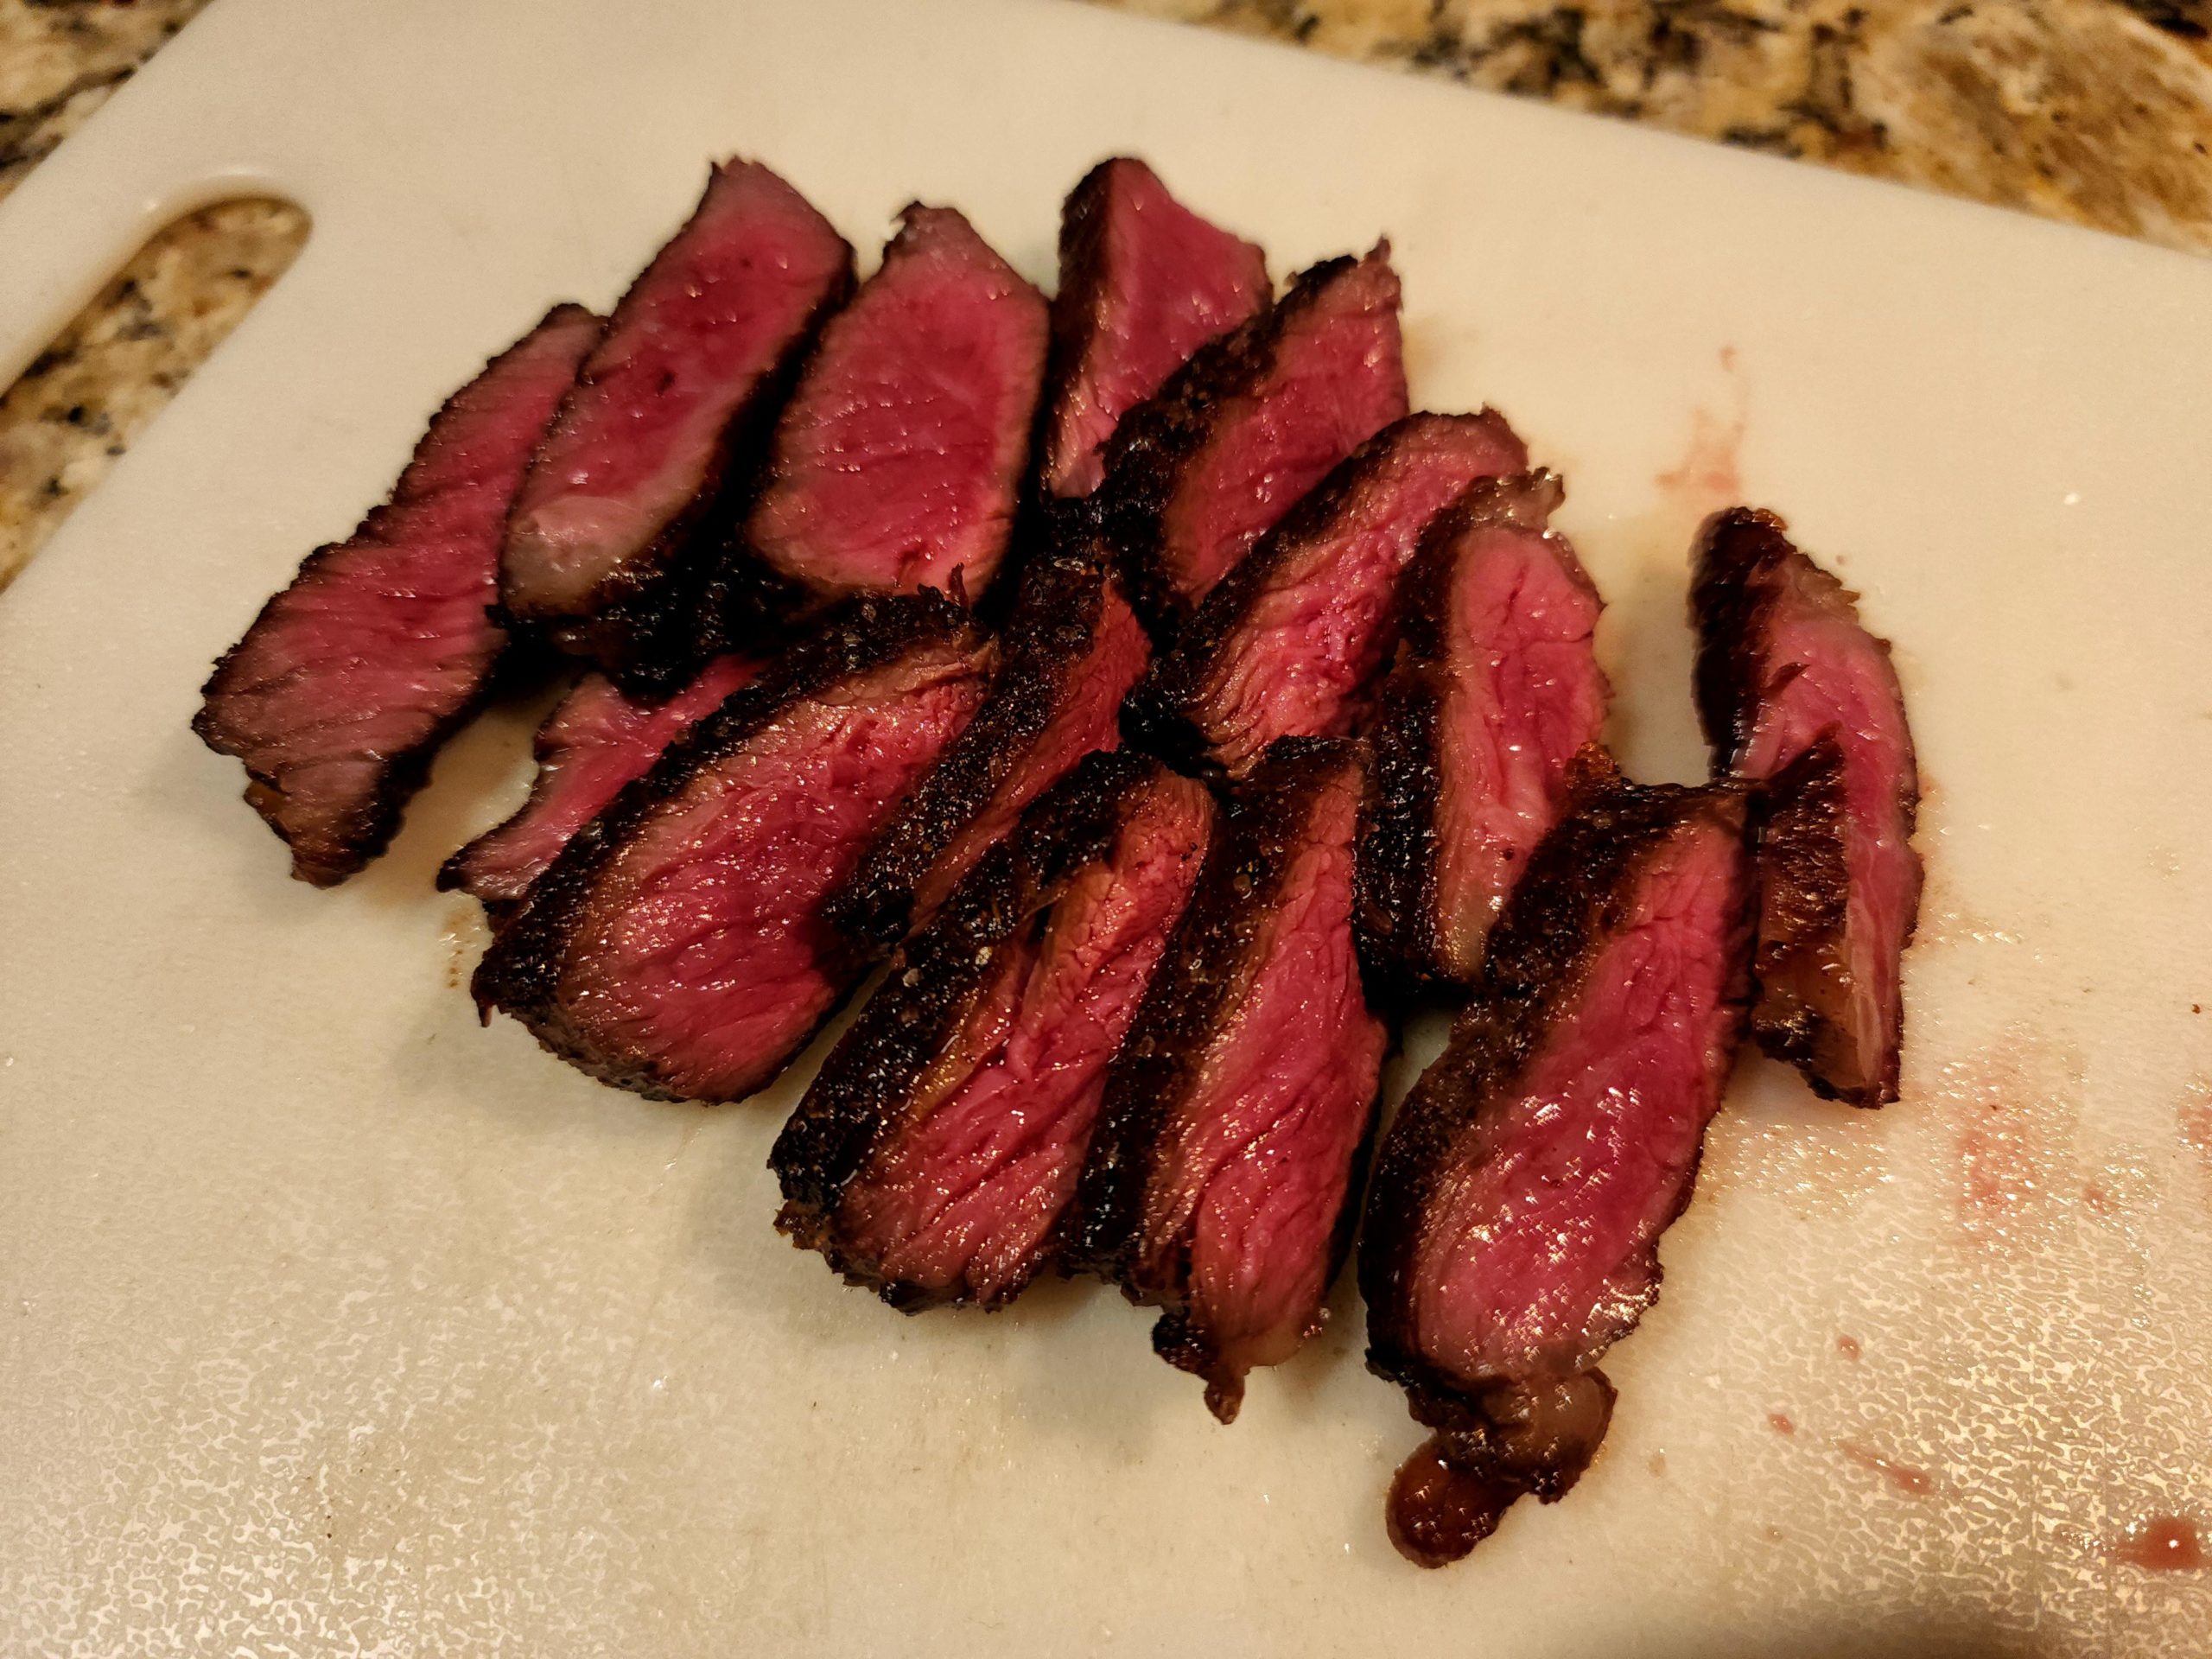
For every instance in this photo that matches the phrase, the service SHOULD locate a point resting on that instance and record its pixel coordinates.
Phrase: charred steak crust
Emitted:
(932, 980)
(1044, 519)
(1554, 928)
(1045, 636)
(1394, 885)
(1398, 908)
(651, 631)
(520, 972)
(1503, 1435)
(654, 621)
(1729, 609)
(1076, 304)
(1731, 603)
(1084, 296)
(1800, 820)
(1746, 562)
(1160, 438)
(1158, 713)
(1082, 279)
(370, 828)
(1191, 994)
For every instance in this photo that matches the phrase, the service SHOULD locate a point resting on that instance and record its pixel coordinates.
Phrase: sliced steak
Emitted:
(615, 540)
(933, 1157)
(677, 946)
(348, 680)
(1219, 1180)
(1495, 690)
(596, 740)
(900, 462)
(1287, 642)
(1205, 466)
(1144, 282)
(1797, 696)
(1512, 1228)
(1070, 650)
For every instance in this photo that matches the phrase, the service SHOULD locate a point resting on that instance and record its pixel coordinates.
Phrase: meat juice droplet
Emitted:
(1781, 1423)
(1903, 1476)
(2164, 1543)
(1439, 1511)
(1848, 1346)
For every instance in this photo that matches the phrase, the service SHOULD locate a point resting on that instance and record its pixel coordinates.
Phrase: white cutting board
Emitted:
(330, 1322)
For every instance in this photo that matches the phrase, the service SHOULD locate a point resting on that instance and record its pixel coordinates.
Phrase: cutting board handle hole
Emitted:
(117, 363)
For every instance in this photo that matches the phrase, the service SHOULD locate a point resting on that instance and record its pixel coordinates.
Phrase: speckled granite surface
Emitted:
(79, 405)
(2095, 111)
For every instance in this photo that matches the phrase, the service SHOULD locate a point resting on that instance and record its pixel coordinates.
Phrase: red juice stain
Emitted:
(2014, 1110)
(1707, 471)
(1848, 1346)
(2164, 1543)
(1780, 1422)
(1903, 1476)
(1439, 1511)
(2195, 1121)
(1710, 473)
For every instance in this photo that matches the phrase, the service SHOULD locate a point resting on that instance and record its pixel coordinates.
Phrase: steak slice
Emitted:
(1512, 1228)
(596, 740)
(677, 946)
(348, 680)
(1219, 1179)
(1069, 653)
(1287, 641)
(933, 1157)
(615, 540)
(1797, 696)
(899, 463)
(1205, 466)
(1144, 282)
(1495, 690)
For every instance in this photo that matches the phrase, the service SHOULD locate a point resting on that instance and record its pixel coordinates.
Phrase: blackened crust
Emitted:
(1045, 641)
(1731, 595)
(1077, 303)
(1159, 440)
(520, 973)
(1579, 888)
(1393, 897)
(1049, 525)
(1158, 713)
(1746, 565)
(1804, 895)
(696, 590)
(855, 1100)
(1191, 994)
(1729, 607)
(370, 828)
(1396, 913)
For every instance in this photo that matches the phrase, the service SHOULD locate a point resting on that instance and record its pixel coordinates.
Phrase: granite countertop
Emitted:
(2094, 111)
